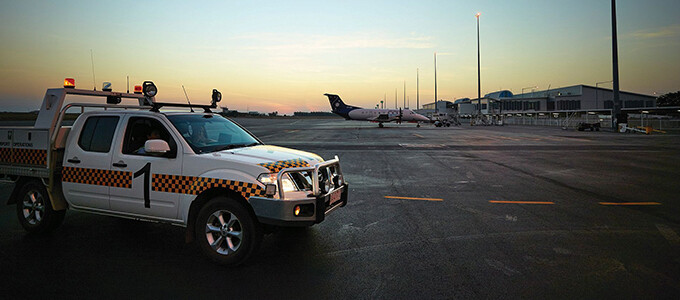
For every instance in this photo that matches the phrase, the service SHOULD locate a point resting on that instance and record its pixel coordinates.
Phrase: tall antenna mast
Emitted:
(94, 80)
(185, 95)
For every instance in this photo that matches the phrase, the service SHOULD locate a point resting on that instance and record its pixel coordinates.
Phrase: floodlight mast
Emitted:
(616, 112)
(479, 76)
(436, 110)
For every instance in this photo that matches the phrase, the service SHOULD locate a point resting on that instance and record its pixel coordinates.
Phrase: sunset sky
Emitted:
(284, 55)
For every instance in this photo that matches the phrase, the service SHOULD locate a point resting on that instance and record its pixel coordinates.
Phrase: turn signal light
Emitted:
(138, 89)
(69, 83)
(304, 210)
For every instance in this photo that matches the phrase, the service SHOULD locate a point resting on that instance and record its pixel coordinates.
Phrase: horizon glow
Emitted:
(283, 56)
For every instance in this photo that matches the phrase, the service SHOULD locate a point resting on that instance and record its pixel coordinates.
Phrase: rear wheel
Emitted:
(34, 209)
(226, 231)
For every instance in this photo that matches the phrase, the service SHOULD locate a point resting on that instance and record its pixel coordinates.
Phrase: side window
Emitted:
(141, 129)
(97, 134)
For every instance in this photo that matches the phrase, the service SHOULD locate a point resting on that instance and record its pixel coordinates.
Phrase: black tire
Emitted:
(230, 241)
(34, 209)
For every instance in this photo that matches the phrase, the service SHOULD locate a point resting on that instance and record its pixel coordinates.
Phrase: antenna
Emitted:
(94, 80)
(185, 95)
(128, 84)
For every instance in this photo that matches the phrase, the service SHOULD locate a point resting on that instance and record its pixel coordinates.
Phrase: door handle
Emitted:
(120, 164)
(74, 160)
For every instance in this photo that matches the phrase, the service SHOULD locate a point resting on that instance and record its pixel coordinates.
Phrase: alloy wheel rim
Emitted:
(33, 207)
(224, 232)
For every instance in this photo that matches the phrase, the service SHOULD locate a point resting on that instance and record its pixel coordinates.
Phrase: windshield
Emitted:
(210, 133)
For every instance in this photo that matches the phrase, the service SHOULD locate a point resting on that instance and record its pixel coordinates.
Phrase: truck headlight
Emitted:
(270, 178)
(325, 181)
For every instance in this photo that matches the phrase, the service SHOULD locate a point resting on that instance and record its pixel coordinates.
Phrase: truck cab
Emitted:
(199, 170)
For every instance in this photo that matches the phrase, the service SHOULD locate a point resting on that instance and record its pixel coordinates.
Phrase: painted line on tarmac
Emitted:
(630, 203)
(522, 202)
(669, 234)
(418, 135)
(413, 198)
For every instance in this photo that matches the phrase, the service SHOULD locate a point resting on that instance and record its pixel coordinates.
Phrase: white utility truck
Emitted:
(194, 169)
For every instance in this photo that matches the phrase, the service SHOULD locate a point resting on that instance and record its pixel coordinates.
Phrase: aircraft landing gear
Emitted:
(380, 125)
(418, 125)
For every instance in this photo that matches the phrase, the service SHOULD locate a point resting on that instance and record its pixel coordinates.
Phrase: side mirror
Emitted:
(156, 147)
(216, 97)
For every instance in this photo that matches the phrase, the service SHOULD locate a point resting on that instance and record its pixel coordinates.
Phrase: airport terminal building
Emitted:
(565, 99)
(564, 106)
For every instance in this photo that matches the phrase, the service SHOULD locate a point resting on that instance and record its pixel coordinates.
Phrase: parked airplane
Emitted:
(379, 116)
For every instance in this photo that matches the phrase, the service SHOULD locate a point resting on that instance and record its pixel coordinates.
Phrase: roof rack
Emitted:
(216, 97)
(158, 105)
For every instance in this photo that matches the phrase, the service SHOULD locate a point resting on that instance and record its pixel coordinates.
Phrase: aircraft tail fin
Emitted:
(336, 102)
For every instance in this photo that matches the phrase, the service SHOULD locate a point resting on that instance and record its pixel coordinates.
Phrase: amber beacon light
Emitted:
(69, 83)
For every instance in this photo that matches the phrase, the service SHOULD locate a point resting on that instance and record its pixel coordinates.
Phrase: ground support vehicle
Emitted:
(444, 119)
(592, 126)
(194, 169)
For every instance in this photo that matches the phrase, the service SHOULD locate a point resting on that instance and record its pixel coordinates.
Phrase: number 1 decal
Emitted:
(146, 170)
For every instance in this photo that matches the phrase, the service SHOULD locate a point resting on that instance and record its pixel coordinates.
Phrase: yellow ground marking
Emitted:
(412, 198)
(630, 203)
(418, 135)
(522, 202)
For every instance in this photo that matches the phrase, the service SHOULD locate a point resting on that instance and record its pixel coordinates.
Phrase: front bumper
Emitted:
(281, 212)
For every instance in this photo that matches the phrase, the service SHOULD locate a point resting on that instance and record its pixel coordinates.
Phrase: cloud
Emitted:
(663, 32)
(306, 43)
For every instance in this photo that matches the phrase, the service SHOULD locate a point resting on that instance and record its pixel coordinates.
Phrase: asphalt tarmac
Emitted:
(434, 213)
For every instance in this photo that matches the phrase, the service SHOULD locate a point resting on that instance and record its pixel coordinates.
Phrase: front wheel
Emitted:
(34, 209)
(227, 232)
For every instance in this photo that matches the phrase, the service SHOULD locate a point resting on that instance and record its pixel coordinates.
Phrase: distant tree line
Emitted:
(670, 99)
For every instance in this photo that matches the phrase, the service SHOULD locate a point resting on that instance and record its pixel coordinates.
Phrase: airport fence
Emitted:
(573, 120)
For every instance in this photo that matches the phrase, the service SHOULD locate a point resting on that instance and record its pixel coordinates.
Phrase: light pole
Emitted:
(479, 76)
(597, 93)
(616, 112)
(436, 110)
